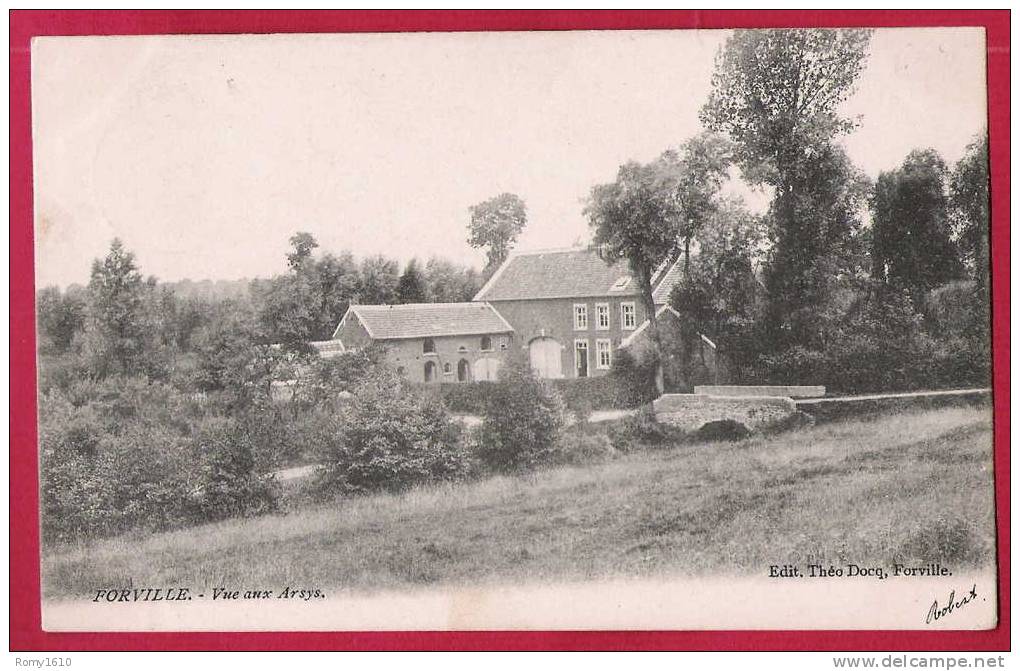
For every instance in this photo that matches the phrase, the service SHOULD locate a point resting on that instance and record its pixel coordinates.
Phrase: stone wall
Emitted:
(792, 391)
(692, 411)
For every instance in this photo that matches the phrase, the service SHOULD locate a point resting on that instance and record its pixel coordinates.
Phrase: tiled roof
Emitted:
(557, 274)
(669, 279)
(419, 320)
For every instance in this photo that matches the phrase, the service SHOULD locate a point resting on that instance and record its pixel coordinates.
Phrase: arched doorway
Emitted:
(546, 357)
(430, 371)
(463, 371)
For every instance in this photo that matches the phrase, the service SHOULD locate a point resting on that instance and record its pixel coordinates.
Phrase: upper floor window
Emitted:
(428, 346)
(486, 343)
(603, 353)
(620, 284)
(504, 342)
(602, 316)
(628, 315)
(580, 316)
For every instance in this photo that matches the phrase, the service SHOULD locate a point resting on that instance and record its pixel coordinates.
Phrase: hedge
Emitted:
(607, 392)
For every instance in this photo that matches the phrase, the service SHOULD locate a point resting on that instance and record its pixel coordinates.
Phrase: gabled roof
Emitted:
(420, 320)
(565, 273)
(665, 280)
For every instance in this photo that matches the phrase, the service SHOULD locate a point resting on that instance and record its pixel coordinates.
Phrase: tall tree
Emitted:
(970, 205)
(700, 168)
(411, 287)
(912, 240)
(635, 219)
(115, 315)
(60, 316)
(777, 94)
(379, 278)
(450, 283)
(303, 244)
(495, 225)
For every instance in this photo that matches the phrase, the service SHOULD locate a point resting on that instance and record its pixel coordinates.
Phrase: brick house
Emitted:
(567, 311)
(571, 311)
(428, 342)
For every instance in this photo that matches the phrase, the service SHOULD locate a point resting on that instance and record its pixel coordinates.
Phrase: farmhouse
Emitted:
(568, 311)
(571, 310)
(429, 342)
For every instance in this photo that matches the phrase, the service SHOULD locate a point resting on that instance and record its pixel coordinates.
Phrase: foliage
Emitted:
(580, 445)
(379, 279)
(723, 429)
(450, 283)
(118, 337)
(232, 363)
(495, 225)
(777, 94)
(411, 287)
(232, 485)
(61, 316)
(390, 437)
(523, 419)
(968, 192)
(912, 245)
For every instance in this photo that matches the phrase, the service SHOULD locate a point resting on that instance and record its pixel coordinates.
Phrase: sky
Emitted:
(205, 154)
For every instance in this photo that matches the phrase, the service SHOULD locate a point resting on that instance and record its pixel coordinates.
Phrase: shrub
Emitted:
(522, 422)
(391, 437)
(792, 422)
(723, 429)
(642, 430)
(232, 485)
(579, 447)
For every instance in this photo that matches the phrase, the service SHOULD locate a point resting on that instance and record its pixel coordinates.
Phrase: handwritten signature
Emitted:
(936, 612)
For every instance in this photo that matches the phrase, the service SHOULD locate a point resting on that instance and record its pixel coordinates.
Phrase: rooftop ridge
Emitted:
(404, 306)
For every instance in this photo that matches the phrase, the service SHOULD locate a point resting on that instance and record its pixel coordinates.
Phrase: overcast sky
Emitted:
(205, 154)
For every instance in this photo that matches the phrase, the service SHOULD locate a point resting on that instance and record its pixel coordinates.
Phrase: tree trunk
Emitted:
(645, 278)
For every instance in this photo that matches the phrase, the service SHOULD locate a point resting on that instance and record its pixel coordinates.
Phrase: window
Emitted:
(603, 354)
(580, 317)
(400, 371)
(486, 344)
(463, 371)
(504, 342)
(581, 358)
(620, 284)
(447, 369)
(628, 316)
(602, 316)
(462, 348)
(430, 371)
(428, 346)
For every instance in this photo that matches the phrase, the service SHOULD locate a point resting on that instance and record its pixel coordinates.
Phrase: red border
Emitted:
(26, 633)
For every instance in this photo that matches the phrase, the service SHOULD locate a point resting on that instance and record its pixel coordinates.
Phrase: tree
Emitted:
(411, 287)
(450, 283)
(777, 94)
(912, 240)
(60, 316)
(718, 297)
(635, 219)
(495, 225)
(700, 168)
(115, 319)
(379, 279)
(969, 199)
(303, 244)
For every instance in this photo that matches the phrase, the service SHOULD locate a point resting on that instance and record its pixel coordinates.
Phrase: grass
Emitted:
(906, 488)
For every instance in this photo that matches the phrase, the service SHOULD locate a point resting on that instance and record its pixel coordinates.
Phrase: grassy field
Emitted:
(908, 488)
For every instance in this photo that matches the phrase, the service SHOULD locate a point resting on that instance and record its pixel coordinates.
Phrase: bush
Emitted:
(232, 485)
(522, 422)
(723, 429)
(391, 437)
(642, 430)
(579, 447)
(792, 422)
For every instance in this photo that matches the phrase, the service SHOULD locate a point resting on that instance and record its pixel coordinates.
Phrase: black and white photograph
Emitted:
(578, 330)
